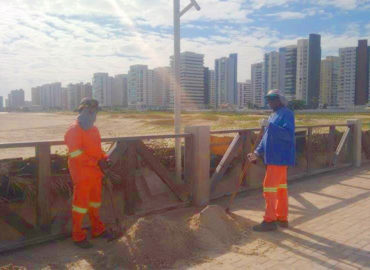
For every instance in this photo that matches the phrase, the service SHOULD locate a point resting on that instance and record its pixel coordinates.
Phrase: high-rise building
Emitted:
(73, 96)
(120, 90)
(161, 87)
(212, 88)
(150, 86)
(245, 94)
(102, 89)
(314, 64)
(226, 69)
(86, 90)
(347, 77)
(138, 85)
(36, 96)
(221, 80)
(329, 81)
(258, 92)
(302, 70)
(1, 104)
(271, 68)
(76, 92)
(233, 78)
(50, 96)
(288, 71)
(191, 80)
(308, 70)
(209, 88)
(64, 98)
(362, 74)
(206, 86)
(16, 99)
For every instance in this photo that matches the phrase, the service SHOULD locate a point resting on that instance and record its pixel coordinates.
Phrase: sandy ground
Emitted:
(23, 127)
(26, 127)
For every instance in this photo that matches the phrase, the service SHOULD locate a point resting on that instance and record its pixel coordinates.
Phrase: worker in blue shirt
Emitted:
(277, 149)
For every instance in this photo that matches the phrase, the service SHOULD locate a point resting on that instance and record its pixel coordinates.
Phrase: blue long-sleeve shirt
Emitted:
(277, 146)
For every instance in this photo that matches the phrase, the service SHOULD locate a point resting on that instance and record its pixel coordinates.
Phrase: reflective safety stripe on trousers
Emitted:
(95, 204)
(283, 186)
(79, 209)
(270, 189)
(75, 153)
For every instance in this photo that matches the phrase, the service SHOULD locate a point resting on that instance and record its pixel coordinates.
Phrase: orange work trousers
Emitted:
(275, 191)
(86, 200)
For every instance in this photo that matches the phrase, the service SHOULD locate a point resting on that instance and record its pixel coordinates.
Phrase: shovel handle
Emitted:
(246, 166)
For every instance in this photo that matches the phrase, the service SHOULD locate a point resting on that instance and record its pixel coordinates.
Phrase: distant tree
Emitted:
(296, 105)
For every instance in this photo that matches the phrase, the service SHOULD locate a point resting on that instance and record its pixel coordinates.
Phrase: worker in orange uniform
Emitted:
(277, 149)
(86, 160)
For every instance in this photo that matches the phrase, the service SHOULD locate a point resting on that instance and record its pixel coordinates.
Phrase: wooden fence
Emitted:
(197, 181)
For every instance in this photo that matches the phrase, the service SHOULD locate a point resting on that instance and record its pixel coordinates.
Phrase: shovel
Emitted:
(246, 166)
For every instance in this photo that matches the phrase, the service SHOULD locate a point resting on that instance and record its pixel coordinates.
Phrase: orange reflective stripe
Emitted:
(79, 209)
(270, 189)
(75, 153)
(95, 204)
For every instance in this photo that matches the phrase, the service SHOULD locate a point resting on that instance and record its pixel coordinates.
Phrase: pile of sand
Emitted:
(213, 228)
(159, 242)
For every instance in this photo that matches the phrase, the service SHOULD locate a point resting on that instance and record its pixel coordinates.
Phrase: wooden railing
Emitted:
(243, 139)
(196, 161)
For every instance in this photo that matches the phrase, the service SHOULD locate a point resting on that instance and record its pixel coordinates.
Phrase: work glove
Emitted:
(105, 164)
(264, 122)
(252, 157)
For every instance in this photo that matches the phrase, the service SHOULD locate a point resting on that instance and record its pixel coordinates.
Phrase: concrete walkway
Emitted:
(330, 227)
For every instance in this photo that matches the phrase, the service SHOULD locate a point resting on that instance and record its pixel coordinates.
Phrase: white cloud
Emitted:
(129, 12)
(343, 4)
(368, 27)
(43, 41)
(331, 43)
(288, 15)
(258, 4)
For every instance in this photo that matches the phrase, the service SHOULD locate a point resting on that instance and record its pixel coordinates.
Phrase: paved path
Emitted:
(330, 227)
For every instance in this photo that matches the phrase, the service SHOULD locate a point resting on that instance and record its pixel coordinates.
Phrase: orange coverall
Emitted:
(85, 151)
(276, 193)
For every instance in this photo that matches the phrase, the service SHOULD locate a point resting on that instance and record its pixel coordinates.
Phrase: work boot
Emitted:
(265, 227)
(283, 223)
(104, 234)
(85, 244)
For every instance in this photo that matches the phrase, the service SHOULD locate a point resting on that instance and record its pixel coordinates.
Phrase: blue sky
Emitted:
(43, 41)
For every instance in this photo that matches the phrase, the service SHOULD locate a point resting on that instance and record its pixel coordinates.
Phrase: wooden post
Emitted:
(43, 219)
(188, 159)
(129, 189)
(247, 148)
(309, 149)
(331, 145)
(355, 142)
(200, 164)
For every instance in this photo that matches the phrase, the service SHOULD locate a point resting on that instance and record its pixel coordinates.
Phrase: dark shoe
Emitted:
(265, 227)
(104, 234)
(283, 223)
(84, 244)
